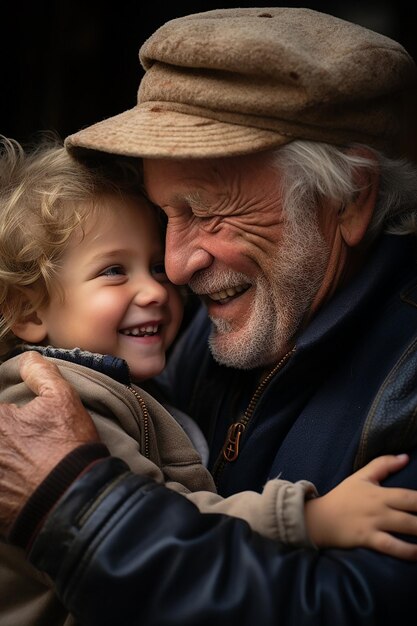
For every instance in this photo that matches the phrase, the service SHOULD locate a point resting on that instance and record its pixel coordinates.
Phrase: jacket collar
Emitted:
(390, 267)
(112, 366)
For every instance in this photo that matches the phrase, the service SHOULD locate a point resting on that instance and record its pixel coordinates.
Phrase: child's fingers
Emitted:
(400, 522)
(388, 544)
(378, 469)
(401, 499)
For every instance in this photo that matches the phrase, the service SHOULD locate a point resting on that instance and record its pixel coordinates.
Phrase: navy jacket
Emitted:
(125, 551)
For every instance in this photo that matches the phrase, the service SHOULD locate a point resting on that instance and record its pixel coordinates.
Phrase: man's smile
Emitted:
(225, 295)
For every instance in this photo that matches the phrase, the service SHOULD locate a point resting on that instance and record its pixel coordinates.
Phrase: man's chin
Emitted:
(228, 349)
(221, 345)
(246, 350)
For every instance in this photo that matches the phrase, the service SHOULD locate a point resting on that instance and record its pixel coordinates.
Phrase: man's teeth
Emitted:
(140, 331)
(228, 293)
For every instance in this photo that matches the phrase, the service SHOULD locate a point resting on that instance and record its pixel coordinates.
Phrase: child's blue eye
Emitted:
(114, 270)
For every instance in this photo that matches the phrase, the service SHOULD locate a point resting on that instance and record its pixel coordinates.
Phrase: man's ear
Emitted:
(31, 329)
(355, 217)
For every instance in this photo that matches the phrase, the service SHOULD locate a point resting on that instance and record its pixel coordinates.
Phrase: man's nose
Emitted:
(184, 256)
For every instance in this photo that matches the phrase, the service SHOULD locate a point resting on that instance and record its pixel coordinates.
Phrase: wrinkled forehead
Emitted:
(221, 187)
(179, 176)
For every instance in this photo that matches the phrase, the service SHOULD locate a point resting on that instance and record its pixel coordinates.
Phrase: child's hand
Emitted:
(359, 512)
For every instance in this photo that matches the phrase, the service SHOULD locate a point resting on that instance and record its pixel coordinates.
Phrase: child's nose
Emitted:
(150, 291)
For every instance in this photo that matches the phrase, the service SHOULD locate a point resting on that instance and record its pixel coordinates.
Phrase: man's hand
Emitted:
(35, 437)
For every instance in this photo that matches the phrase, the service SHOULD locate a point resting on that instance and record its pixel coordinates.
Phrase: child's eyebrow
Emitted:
(104, 255)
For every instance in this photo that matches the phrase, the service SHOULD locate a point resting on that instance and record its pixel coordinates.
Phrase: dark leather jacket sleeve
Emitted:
(123, 550)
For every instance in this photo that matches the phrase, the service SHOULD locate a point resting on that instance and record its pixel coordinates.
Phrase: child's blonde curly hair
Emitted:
(44, 195)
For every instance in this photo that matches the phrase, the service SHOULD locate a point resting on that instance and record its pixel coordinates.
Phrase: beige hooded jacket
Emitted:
(139, 430)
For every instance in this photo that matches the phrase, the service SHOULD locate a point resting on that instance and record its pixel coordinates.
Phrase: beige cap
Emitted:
(235, 81)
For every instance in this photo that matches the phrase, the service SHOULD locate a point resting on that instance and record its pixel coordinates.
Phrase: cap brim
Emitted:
(159, 133)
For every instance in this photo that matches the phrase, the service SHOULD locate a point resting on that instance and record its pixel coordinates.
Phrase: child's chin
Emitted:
(139, 374)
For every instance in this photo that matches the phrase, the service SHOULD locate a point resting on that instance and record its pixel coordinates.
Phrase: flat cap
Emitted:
(235, 81)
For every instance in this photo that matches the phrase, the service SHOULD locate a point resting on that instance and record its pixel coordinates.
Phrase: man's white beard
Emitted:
(278, 306)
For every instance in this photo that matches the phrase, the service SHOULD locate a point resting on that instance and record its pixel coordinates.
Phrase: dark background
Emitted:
(69, 63)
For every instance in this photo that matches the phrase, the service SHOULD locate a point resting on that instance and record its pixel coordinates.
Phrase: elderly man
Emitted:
(273, 140)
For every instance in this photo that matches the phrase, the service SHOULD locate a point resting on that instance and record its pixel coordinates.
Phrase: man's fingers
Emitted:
(38, 434)
(40, 375)
(57, 408)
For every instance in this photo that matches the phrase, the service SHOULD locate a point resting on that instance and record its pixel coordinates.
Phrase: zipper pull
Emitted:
(231, 446)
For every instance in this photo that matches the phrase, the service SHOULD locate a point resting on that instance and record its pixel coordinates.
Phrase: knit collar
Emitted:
(112, 366)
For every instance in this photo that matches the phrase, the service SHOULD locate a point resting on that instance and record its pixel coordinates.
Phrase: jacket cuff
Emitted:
(290, 517)
(51, 489)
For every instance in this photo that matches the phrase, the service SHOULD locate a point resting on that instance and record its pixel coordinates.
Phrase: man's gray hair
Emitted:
(312, 171)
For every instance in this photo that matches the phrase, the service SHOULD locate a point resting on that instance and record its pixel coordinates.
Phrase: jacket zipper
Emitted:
(231, 446)
(145, 414)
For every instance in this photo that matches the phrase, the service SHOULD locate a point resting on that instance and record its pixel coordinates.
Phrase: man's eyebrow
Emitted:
(194, 198)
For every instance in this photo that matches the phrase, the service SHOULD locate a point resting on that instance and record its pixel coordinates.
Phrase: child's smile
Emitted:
(116, 297)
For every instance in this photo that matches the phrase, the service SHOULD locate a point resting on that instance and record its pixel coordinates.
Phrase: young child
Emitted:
(82, 281)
